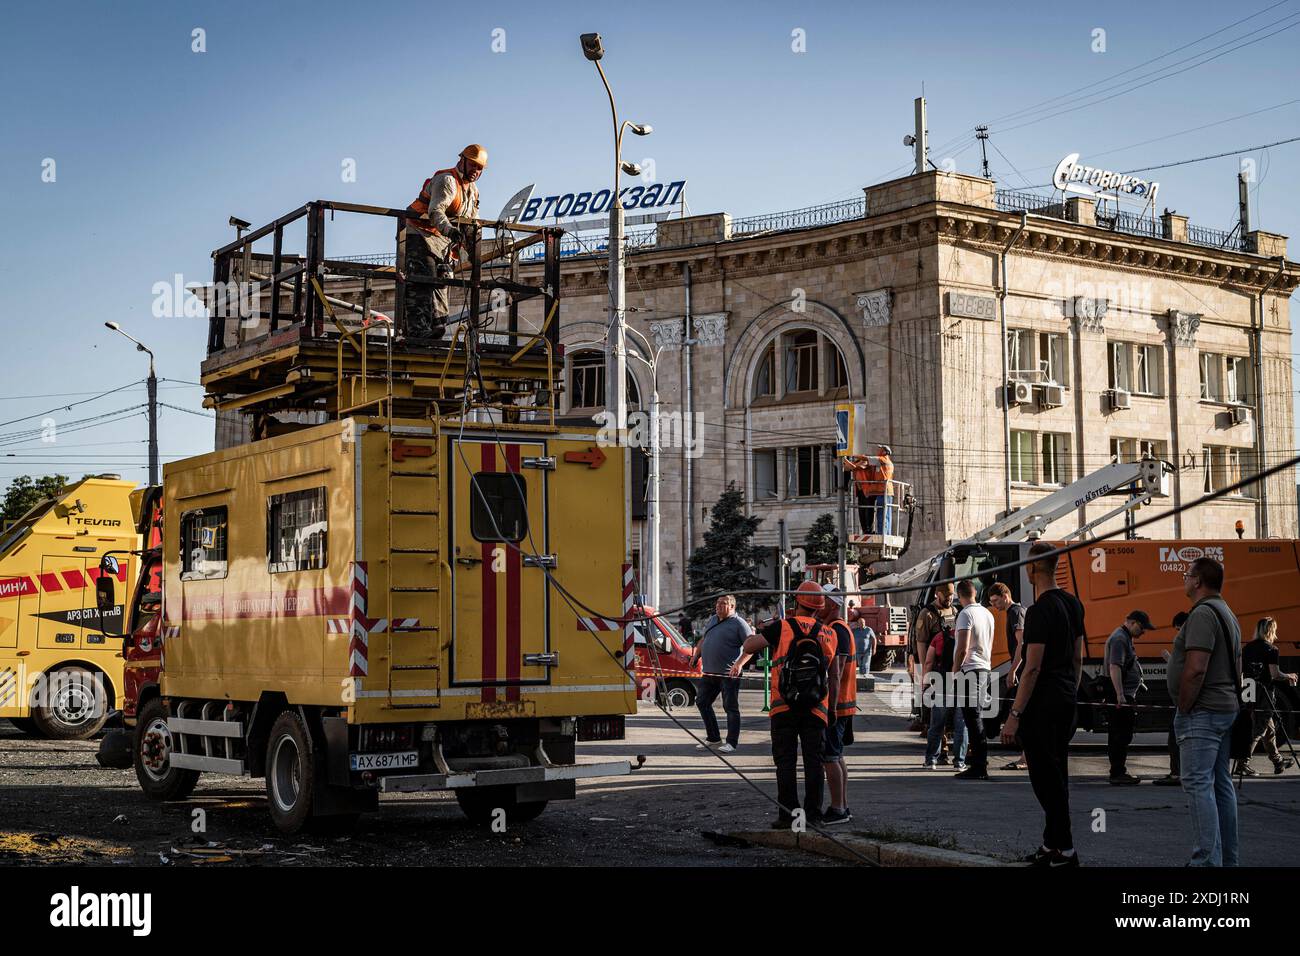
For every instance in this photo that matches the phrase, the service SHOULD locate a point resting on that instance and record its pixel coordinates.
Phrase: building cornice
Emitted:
(923, 225)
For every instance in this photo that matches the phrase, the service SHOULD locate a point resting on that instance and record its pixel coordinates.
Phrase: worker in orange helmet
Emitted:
(803, 700)
(433, 241)
(873, 478)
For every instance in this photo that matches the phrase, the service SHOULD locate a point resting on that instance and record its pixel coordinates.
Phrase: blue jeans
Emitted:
(865, 647)
(882, 519)
(934, 739)
(1204, 749)
(707, 690)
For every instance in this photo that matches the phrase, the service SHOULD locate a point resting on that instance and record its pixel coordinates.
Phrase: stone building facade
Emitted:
(756, 329)
(1128, 343)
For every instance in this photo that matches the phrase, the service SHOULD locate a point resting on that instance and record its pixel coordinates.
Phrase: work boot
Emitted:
(1242, 768)
(1282, 763)
(1124, 780)
(1169, 780)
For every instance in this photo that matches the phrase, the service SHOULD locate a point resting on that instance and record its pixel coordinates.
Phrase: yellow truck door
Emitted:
(500, 613)
(60, 619)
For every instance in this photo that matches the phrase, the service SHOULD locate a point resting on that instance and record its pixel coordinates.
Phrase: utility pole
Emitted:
(920, 140)
(151, 385)
(982, 134)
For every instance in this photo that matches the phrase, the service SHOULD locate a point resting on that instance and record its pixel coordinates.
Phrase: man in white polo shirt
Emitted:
(974, 649)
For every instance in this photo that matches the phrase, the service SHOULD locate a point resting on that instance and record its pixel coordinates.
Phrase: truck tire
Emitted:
(151, 755)
(479, 804)
(679, 693)
(290, 772)
(76, 705)
(883, 660)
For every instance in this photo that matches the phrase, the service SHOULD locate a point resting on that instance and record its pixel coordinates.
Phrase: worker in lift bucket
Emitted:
(434, 243)
(873, 479)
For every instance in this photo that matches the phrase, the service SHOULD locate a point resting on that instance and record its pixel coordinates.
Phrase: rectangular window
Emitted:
(1223, 467)
(1053, 357)
(1149, 371)
(1019, 359)
(1056, 450)
(801, 363)
(203, 543)
(587, 380)
(1022, 457)
(297, 526)
(1135, 449)
(1236, 380)
(804, 471)
(765, 475)
(1211, 377)
(837, 373)
(1120, 366)
(498, 506)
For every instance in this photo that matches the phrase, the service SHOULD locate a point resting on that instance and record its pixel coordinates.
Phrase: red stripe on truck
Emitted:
(514, 662)
(489, 647)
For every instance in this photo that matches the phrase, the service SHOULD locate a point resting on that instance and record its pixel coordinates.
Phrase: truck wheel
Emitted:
(290, 773)
(883, 660)
(152, 756)
(75, 707)
(479, 804)
(679, 694)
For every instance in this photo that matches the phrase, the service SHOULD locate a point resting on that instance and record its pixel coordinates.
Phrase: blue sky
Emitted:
(156, 145)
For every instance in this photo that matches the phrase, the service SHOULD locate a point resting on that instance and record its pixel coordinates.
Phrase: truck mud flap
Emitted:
(411, 783)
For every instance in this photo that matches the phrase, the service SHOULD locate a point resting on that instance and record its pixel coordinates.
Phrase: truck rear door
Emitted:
(499, 536)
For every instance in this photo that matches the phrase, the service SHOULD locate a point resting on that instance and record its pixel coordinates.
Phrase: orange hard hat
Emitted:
(809, 594)
(475, 154)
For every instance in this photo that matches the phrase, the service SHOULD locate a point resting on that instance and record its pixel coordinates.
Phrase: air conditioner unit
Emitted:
(1240, 414)
(1051, 396)
(1120, 399)
(1020, 393)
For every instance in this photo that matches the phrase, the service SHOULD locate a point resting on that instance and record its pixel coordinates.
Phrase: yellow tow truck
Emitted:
(60, 675)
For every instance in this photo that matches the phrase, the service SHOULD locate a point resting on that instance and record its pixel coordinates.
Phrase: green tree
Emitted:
(727, 561)
(822, 543)
(25, 491)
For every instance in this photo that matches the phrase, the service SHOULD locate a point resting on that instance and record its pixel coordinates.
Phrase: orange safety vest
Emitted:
(874, 479)
(466, 194)
(846, 699)
(825, 637)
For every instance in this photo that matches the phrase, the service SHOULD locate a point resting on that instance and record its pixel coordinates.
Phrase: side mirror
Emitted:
(105, 595)
(105, 590)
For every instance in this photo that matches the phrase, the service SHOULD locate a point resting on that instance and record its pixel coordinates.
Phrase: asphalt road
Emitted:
(60, 806)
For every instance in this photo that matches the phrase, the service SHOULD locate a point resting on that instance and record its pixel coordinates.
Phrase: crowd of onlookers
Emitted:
(821, 646)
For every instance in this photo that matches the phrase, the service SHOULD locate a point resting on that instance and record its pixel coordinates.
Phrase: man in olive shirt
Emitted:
(1125, 674)
(932, 619)
(1202, 678)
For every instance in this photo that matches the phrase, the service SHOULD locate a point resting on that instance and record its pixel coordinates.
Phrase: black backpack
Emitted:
(803, 684)
(946, 656)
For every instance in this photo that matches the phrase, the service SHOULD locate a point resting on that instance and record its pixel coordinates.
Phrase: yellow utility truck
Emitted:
(59, 673)
(366, 607)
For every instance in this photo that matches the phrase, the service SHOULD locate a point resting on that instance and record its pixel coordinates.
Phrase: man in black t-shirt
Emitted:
(1042, 717)
(1260, 662)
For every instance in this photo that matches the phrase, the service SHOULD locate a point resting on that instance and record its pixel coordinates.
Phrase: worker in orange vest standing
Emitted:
(803, 701)
(839, 731)
(432, 241)
(873, 477)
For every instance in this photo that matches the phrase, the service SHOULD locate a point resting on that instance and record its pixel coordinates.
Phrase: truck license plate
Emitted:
(394, 761)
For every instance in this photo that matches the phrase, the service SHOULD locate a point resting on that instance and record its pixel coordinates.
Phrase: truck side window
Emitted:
(498, 508)
(297, 526)
(203, 543)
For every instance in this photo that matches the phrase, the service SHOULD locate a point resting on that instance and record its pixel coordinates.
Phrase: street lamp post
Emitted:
(616, 338)
(152, 386)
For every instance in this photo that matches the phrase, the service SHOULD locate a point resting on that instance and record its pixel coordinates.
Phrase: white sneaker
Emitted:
(707, 745)
(725, 749)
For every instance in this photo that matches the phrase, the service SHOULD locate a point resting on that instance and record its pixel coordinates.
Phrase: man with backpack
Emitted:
(803, 699)
(937, 686)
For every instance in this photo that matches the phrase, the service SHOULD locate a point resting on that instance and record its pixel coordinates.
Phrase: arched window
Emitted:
(587, 381)
(765, 373)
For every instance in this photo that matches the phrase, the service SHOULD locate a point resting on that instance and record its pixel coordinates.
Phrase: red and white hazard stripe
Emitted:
(359, 645)
(629, 633)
